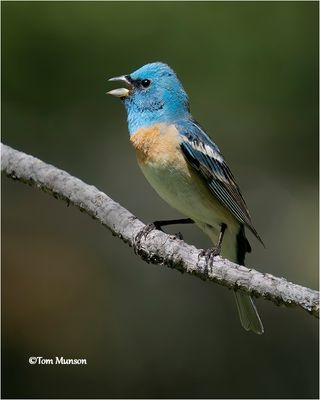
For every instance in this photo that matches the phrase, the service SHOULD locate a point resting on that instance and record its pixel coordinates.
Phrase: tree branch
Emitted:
(157, 247)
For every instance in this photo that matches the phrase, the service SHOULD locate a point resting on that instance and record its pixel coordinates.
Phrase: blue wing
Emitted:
(205, 157)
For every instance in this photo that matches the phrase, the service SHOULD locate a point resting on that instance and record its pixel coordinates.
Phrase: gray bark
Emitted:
(157, 247)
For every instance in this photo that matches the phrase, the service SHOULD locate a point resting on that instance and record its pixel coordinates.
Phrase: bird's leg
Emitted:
(209, 254)
(158, 225)
(222, 231)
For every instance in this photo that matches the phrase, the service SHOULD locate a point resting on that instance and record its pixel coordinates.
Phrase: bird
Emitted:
(186, 168)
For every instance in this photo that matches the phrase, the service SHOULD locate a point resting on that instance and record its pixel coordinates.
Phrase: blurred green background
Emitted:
(69, 288)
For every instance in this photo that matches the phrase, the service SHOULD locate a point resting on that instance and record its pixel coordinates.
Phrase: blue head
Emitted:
(153, 95)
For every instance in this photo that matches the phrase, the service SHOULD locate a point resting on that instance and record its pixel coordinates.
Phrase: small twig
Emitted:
(157, 247)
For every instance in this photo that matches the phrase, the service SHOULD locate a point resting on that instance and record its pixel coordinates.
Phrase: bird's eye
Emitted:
(145, 83)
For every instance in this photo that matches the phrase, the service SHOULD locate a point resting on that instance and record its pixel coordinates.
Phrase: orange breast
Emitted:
(157, 144)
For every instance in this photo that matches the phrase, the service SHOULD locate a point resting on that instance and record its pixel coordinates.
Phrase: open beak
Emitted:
(121, 92)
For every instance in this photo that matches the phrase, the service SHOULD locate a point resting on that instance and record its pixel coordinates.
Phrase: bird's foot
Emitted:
(210, 254)
(178, 235)
(143, 233)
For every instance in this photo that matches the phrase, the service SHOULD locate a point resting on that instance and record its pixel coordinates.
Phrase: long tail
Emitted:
(248, 313)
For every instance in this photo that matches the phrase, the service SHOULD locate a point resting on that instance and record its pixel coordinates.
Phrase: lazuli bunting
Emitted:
(186, 167)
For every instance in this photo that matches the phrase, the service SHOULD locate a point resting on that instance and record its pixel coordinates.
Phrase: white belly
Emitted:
(188, 194)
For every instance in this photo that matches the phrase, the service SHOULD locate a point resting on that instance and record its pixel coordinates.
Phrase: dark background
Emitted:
(69, 288)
